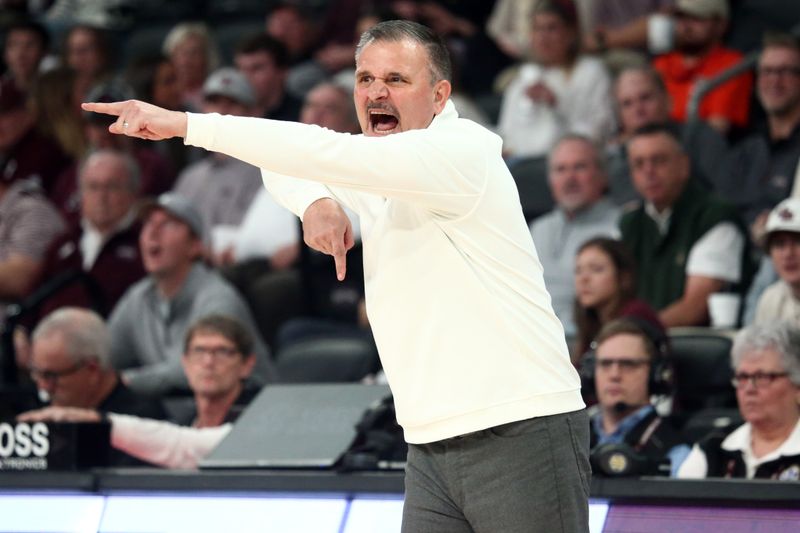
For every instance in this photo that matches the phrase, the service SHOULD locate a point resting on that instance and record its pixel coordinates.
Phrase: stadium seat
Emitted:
(530, 175)
(701, 360)
(327, 360)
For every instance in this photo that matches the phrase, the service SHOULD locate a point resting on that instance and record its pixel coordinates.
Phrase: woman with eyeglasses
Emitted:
(766, 363)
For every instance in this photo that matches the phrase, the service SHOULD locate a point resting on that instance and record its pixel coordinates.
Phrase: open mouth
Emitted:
(382, 121)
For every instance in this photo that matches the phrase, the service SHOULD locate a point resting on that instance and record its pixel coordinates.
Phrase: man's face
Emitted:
(784, 250)
(659, 168)
(286, 25)
(393, 91)
(68, 384)
(575, 179)
(330, 108)
(106, 192)
(83, 54)
(23, 53)
(214, 366)
(167, 244)
(778, 82)
(639, 101)
(551, 39)
(622, 370)
(694, 35)
(224, 106)
(264, 76)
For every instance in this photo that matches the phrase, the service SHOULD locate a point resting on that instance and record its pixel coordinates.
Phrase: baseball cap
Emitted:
(179, 207)
(784, 217)
(230, 83)
(703, 8)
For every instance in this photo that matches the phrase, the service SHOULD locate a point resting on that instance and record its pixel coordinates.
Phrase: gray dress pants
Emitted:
(526, 476)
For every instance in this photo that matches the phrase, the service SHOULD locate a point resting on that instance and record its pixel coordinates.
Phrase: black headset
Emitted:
(660, 377)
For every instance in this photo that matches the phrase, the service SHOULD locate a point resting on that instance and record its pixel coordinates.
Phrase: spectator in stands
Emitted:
(560, 92)
(624, 30)
(71, 367)
(629, 365)
(104, 245)
(191, 49)
(605, 289)
(56, 118)
(70, 363)
(781, 300)
(578, 182)
(699, 53)
(641, 98)
(264, 61)
(295, 27)
(687, 243)
(221, 187)
(154, 79)
(26, 43)
(766, 362)
(156, 174)
(22, 144)
(217, 358)
(87, 51)
(28, 221)
(151, 319)
(761, 170)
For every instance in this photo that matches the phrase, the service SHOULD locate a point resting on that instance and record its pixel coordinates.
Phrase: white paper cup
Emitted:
(723, 307)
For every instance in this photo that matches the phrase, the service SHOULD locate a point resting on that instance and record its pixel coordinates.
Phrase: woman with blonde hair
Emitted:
(194, 54)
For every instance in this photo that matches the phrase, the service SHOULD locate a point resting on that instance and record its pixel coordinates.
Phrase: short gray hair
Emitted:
(131, 166)
(400, 30)
(599, 158)
(83, 332)
(782, 337)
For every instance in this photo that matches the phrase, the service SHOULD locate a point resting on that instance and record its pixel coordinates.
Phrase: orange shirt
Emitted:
(730, 100)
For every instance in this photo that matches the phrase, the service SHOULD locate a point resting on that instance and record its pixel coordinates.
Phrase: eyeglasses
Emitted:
(625, 364)
(51, 376)
(758, 379)
(197, 353)
(778, 71)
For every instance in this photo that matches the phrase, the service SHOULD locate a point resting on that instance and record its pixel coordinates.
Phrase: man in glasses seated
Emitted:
(766, 362)
(218, 358)
(70, 364)
(629, 366)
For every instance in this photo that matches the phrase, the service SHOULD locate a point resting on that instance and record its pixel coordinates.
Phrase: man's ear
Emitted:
(247, 367)
(441, 92)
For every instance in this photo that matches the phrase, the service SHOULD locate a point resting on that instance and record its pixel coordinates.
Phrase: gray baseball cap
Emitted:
(177, 206)
(230, 83)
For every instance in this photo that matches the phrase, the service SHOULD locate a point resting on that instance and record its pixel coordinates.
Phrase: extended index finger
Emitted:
(340, 258)
(107, 108)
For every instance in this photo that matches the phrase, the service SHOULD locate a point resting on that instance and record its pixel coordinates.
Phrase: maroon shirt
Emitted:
(117, 267)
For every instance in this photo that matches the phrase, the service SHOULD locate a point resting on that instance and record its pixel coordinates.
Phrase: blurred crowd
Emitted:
(660, 140)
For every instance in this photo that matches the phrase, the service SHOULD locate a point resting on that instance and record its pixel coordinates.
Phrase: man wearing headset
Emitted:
(629, 366)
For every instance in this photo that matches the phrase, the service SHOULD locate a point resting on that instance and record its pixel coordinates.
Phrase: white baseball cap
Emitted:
(784, 217)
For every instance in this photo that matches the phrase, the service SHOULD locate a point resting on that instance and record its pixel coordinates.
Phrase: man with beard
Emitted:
(699, 27)
(475, 356)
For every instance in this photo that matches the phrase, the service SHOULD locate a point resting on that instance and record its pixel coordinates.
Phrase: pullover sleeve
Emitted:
(444, 171)
(164, 443)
